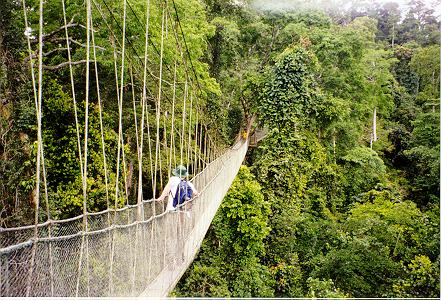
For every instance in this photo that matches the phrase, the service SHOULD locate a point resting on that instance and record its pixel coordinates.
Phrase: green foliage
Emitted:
(421, 279)
(424, 155)
(323, 289)
(363, 170)
(359, 267)
(323, 216)
(246, 212)
(288, 276)
(229, 261)
(402, 70)
(425, 63)
(398, 226)
(253, 280)
(289, 95)
(204, 281)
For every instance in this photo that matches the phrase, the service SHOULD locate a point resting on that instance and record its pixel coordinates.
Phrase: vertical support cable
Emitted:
(158, 103)
(183, 120)
(38, 97)
(121, 96)
(200, 150)
(38, 111)
(100, 108)
(205, 147)
(189, 131)
(86, 131)
(172, 136)
(143, 108)
(112, 232)
(196, 143)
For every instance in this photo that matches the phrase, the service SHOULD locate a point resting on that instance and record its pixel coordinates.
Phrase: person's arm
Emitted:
(164, 192)
(195, 191)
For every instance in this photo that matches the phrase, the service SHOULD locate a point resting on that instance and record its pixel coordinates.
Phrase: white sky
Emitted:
(296, 4)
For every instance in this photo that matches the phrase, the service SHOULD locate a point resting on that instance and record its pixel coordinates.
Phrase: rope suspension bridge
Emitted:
(127, 249)
(120, 253)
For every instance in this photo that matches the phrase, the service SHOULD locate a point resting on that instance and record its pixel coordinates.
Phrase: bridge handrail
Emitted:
(32, 239)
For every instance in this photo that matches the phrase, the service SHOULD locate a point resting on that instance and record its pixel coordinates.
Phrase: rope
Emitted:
(86, 132)
(201, 153)
(172, 136)
(143, 108)
(38, 153)
(39, 142)
(196, 143)
(73, 91)
(136, 126)
(189, 131)
(101, 121)
(183, 121)
(158, 103)
(120, 99)
(38, 111)
(185, 43)
(144, 96)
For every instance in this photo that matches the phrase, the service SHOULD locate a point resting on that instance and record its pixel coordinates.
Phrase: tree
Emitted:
(425, 63)
(421, 280)
(229, 261)
(424, 156)
(288, 95)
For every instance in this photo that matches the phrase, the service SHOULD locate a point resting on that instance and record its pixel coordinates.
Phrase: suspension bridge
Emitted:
(121, 253)
(127, 249)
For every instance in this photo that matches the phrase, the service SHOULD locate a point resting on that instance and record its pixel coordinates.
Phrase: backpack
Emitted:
(183, 193)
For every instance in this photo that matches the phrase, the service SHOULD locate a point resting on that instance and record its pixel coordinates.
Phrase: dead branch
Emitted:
(45, 54)
(64, 27)
(65, 64)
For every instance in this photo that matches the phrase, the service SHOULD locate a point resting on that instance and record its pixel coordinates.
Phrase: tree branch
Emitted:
(68, 25)
(71, 40)
(46, 53)
(65, 64)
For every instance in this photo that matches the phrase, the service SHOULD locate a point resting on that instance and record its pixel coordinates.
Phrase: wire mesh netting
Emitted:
(125, 252)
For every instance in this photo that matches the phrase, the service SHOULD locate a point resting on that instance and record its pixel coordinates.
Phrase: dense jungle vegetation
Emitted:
(341, 199)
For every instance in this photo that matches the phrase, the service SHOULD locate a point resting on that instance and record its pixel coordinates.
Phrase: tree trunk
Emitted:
(393, 35)
(333, 143)
(374, 126)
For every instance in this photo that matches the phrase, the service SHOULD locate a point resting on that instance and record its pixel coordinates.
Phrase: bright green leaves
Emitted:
(253, 280)
(323, 289)
(364, 169)
(425, 63)
(395, 225)
(289, 94)
(425, 158)
(422, 279)
(288, 276)
(382, 235)
(247, 213)
(358, 267)
(229, 262)
(203, 281)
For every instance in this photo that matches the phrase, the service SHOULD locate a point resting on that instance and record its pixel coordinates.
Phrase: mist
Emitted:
(332, 5)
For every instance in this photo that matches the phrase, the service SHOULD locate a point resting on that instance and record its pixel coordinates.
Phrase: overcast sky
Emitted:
(296, 4)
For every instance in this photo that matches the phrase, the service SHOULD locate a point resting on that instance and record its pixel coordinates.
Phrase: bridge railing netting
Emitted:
(123, 252)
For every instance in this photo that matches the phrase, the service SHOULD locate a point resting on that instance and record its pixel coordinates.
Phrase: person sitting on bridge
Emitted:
(178, 189)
